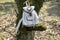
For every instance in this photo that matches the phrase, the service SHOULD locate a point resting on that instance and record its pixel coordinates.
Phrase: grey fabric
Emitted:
(27, 19)
(18, 25)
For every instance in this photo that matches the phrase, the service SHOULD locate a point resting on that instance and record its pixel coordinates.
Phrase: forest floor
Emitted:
(49, 15)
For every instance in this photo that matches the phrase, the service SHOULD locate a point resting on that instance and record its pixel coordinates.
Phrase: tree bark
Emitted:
(20, 4)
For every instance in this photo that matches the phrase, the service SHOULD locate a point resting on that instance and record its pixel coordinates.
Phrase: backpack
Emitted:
(29, 16)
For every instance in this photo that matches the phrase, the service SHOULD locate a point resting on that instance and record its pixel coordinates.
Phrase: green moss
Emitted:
(0, 38)
(41, 25)
(53, 22)
(51, 38)
(0, 30)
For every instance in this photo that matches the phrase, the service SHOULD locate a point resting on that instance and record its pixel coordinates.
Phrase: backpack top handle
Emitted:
(27, 3)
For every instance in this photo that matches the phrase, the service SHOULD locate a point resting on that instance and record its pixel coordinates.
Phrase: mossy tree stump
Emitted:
(24, 35)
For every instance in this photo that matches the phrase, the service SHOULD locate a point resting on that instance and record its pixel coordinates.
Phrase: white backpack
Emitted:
(27, 19)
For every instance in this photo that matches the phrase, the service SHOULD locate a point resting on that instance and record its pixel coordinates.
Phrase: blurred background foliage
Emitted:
(3, 1)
